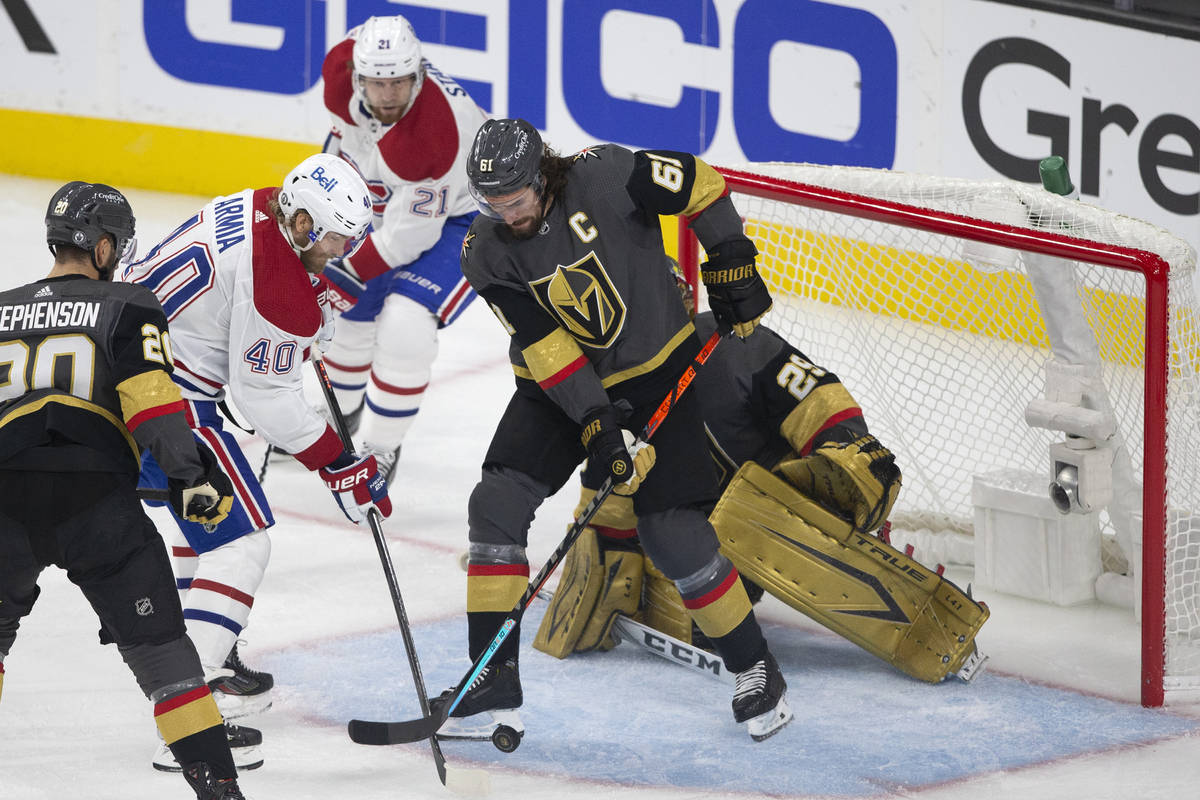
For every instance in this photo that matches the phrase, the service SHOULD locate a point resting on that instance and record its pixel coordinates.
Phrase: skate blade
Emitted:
(764, 726)
(972, 666)
(479, 727)
(244, 758)
(237, 706)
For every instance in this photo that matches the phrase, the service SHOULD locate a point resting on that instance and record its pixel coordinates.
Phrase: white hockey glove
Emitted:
(357, 486)
(614, 451)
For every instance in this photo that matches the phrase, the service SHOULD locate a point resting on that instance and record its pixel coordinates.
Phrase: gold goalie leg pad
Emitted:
(574, 599)
(853, 584)
(663, 607)
(595, 587)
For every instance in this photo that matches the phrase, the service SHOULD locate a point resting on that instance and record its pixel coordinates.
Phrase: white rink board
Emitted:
(857, 82)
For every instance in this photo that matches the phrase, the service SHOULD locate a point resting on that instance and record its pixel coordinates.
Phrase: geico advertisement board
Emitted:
(957, 87)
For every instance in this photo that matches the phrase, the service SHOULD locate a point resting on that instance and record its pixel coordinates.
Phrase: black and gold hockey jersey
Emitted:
(763, 400)
(594, 285)
(85, 380)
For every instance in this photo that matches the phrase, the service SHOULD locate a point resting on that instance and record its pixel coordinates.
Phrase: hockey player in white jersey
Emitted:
(241, 283)
(407, 128)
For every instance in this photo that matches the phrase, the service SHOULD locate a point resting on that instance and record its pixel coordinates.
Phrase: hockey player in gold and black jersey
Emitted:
(569, 255)
(85, 386)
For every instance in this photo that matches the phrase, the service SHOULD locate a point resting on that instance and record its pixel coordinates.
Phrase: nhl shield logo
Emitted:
(584, 300)
(143, 607)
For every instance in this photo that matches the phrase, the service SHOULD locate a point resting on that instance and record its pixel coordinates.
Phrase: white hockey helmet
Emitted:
(387, 47)
(333, 194)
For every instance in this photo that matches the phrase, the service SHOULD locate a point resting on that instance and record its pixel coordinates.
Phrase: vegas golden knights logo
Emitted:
(584, 300)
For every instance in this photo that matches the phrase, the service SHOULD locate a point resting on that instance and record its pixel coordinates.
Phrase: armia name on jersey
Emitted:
(49, 314)
(228, 223)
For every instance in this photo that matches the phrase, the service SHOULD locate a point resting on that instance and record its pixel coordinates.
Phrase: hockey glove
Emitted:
(736, 294)
(342, 285)
(207, 501)
(357, 486)
(614, 451)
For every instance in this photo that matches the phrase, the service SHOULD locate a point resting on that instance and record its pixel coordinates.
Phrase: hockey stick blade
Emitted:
(380, 733)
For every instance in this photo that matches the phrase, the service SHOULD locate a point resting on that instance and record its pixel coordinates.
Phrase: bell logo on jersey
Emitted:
(582, 297)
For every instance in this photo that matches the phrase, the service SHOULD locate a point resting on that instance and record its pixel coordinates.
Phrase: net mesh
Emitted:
(943, 342)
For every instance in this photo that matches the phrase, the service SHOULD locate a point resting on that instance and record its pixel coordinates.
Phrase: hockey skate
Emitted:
(244, 744)
(208, 787)
(239, 690)
(386, 459)
(759, 698)
(490, 702)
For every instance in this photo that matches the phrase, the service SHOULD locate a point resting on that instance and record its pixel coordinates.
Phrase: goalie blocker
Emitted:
(816, 562)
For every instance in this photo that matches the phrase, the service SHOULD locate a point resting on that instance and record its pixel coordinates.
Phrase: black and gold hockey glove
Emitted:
(736, 294)
(210, 499)
(614, 451)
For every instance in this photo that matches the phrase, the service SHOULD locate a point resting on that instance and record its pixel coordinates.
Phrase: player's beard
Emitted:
(526, 227)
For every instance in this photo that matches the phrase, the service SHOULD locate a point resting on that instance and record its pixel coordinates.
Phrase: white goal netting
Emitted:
(945, 340)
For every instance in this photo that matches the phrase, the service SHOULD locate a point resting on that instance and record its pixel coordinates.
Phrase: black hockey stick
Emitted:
(414, 730)
(469, 781)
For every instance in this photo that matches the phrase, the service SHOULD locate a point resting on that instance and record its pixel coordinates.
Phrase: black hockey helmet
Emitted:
(81, 214)
(505, 157)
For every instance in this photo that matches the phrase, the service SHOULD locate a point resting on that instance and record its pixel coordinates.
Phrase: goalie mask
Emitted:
(333, 194)
(386, 48)
(505, 157)
(81, 214)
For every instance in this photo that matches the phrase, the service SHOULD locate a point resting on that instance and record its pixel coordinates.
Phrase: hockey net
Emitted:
(926, 295)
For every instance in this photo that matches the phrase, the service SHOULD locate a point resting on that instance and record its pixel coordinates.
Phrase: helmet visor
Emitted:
(511, 206)
(350, 244)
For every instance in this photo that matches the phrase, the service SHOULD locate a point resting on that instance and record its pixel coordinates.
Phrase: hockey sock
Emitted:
(348, 361)
(191, 725)
(482, 627)
(406, 347)
(218, 603)
(723, 613)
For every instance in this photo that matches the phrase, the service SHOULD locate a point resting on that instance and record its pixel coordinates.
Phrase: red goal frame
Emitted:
(1151, 266)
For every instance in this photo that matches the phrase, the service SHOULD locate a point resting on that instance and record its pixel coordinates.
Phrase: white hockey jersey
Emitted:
(243, 314)
(415, 168)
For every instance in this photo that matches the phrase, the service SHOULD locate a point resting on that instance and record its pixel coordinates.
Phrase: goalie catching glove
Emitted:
(858, 480)
(357, 486)
(736, 294)
(615, 452)
(207, 501)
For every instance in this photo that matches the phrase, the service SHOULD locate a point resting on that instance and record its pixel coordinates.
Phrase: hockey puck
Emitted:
(506, 739)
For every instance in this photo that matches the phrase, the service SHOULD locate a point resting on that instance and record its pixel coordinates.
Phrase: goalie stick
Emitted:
(414, 730)
(677, 651)
(466, 781)
(674, 650)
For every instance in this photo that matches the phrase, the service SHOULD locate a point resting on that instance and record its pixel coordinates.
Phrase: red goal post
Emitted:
(937, 281)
